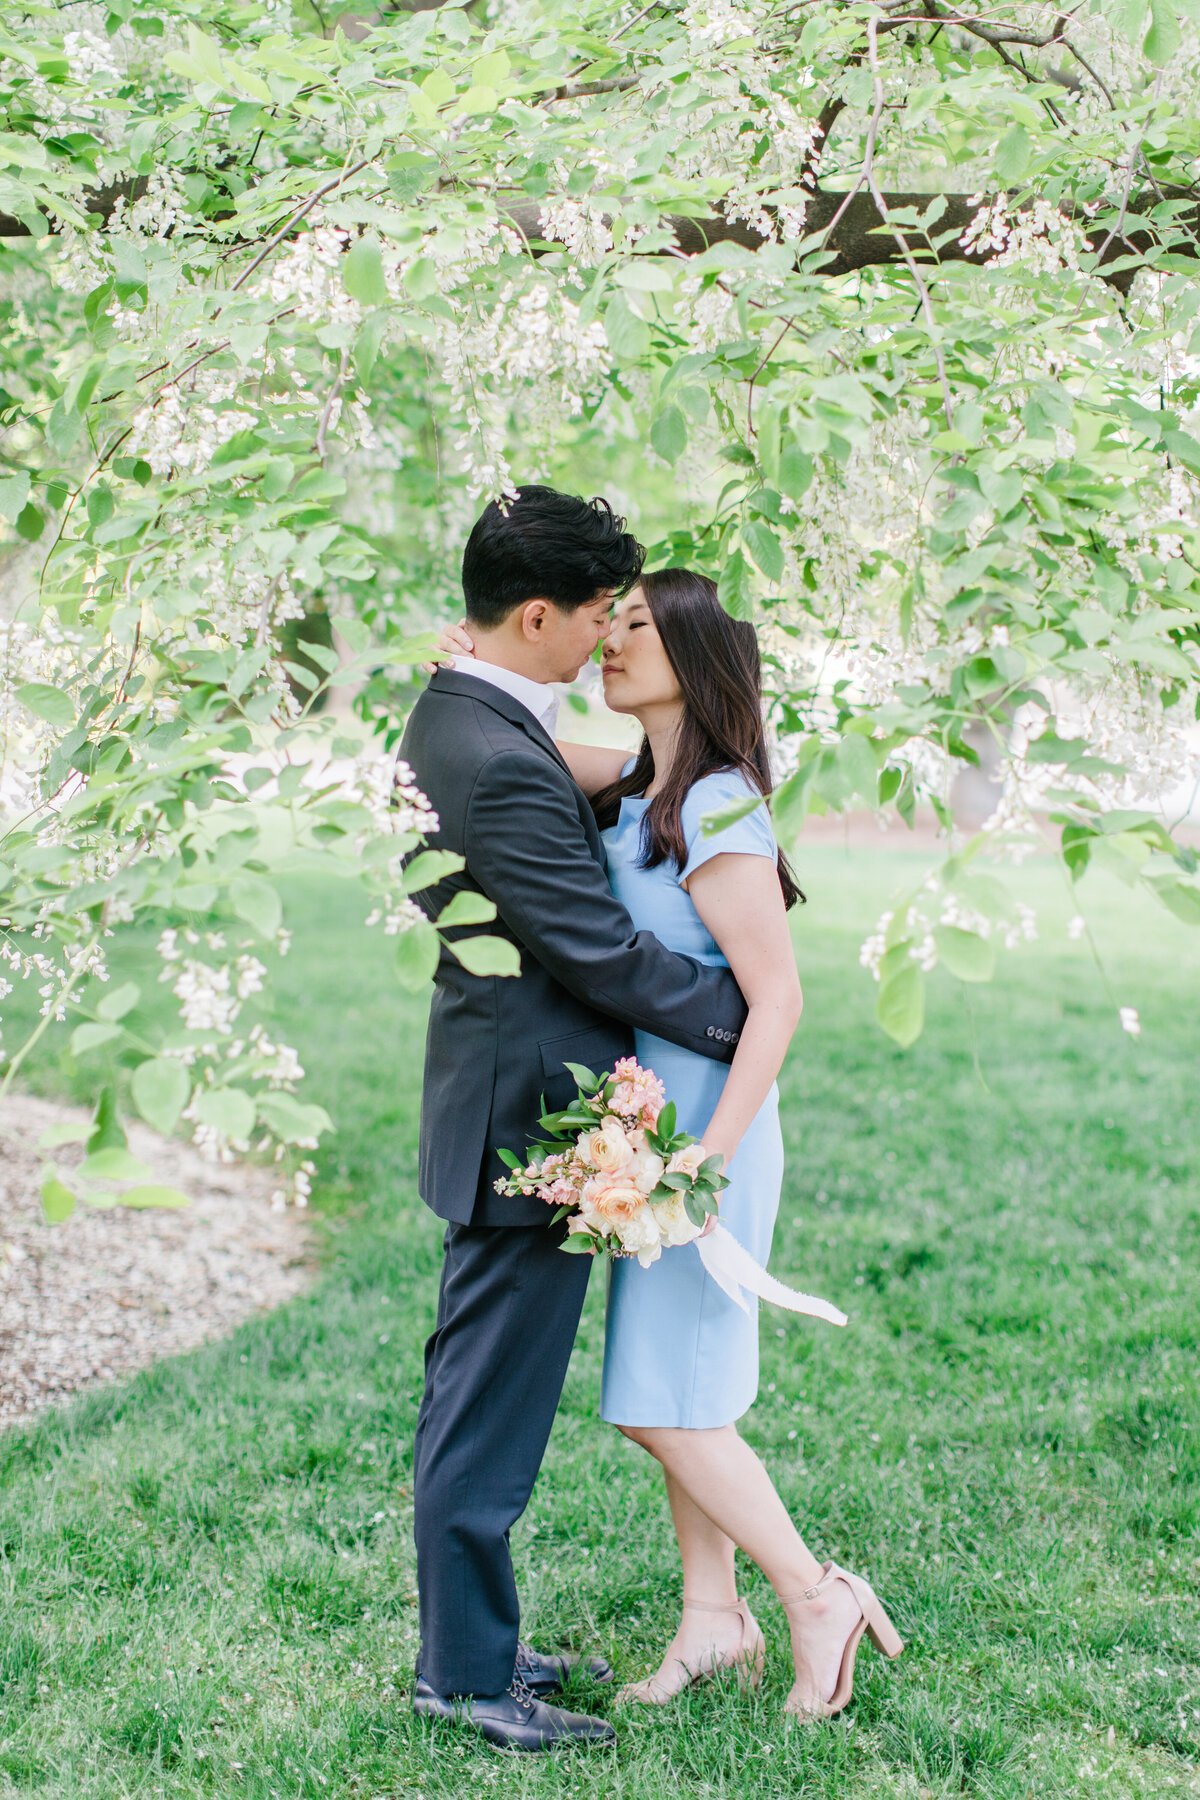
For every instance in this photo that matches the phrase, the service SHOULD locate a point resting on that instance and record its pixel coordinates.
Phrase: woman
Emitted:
(680, 1357)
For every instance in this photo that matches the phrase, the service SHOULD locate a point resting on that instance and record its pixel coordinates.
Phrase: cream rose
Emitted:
(645, 1171)
(640, 1236)
(673, 1222)
(607, 1148)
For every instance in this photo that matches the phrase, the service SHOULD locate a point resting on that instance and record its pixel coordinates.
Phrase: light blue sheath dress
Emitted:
(678, 1351)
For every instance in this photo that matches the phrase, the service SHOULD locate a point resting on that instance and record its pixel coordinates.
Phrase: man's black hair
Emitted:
(546, 545)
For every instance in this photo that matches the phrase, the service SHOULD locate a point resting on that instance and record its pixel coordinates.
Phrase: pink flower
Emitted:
(559, 1193)
(638, 1093)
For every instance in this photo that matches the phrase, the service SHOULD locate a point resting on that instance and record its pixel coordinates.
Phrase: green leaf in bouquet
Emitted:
(665, 1125)
(578, 1244)
(507, 1157)
(583, 1078)
(696, 1211)
(536, 1154)
(679, 1182)
(661, 1192)
(712, 1165)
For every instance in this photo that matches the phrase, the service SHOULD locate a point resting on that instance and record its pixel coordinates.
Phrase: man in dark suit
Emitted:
(539, 580)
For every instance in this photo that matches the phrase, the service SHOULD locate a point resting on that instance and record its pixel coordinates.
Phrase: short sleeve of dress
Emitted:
(750, 835)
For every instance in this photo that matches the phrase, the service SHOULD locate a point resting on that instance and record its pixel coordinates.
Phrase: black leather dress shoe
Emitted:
(546, 1675)
(517, 1720)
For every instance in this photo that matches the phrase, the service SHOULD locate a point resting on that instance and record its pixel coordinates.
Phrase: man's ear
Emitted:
(533, 618)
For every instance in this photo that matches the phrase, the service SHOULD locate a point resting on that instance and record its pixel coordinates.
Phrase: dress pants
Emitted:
(508, 1312)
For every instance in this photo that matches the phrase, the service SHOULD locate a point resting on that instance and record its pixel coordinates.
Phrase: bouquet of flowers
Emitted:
(617, 1169)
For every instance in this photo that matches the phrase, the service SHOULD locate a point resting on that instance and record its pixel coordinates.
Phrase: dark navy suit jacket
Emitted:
(506, 802)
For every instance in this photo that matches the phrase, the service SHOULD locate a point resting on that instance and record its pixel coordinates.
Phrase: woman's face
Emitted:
(637, 674)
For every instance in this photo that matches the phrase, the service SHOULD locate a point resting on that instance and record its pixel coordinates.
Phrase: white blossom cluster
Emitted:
(297, 1188)
(533, 339)
(87, 257)
(214, 1145)
(708, 312)
(307, 278)
(1039, 237)
(210, 996)
(243, 600)
(41, 656)
(936, 905)
(398, 914)
(184, 426)
(580, 225)
(714, 25)
(278, 1064)
(390, 793)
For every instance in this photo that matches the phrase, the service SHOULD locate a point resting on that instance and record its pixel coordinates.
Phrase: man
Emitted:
(539, 580)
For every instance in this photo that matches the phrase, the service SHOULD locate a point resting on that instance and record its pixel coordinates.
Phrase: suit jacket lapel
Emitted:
(451, 681)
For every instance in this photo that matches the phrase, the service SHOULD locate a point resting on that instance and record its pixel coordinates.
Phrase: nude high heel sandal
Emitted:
(805, 1700)
(747, 1660)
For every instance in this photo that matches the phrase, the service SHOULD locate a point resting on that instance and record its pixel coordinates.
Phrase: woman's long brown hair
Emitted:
(716, 662)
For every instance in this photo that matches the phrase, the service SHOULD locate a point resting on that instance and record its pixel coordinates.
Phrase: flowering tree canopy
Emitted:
(896, 302)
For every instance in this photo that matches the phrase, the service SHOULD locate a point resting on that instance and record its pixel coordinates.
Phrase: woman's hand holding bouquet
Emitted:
(617, 1169)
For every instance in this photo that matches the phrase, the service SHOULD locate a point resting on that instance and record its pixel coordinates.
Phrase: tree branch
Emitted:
(848, 220)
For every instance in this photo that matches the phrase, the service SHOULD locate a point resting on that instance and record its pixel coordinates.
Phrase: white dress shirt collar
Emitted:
(535, 696)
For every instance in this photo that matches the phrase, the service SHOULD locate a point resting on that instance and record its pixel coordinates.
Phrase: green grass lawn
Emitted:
(207, 1575)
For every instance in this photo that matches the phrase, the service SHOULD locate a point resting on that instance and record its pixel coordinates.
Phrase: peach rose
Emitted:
(687, 1161)
(607, 1148)
(615, 1203)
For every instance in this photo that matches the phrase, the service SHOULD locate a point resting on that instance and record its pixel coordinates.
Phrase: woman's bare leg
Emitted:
(705, 1634)
(724, 1481)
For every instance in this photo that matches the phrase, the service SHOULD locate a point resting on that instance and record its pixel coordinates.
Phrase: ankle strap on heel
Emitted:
(714, 1606)
(829, 1573)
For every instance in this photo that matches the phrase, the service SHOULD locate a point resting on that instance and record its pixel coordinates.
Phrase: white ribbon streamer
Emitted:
(734, 1269)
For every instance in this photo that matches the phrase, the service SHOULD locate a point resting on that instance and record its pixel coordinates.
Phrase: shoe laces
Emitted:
(521, 1693)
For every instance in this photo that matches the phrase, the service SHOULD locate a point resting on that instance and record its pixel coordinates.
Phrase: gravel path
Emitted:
(111, 1291)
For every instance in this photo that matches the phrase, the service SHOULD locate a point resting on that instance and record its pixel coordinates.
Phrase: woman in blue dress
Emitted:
(680, 1357)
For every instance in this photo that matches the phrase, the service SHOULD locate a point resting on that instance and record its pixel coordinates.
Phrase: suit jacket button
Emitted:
(710, 1032)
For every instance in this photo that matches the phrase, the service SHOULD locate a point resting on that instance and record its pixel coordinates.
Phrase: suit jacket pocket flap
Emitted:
(596, 1049)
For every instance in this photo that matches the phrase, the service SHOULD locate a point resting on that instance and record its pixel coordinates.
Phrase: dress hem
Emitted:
(675, 1425)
